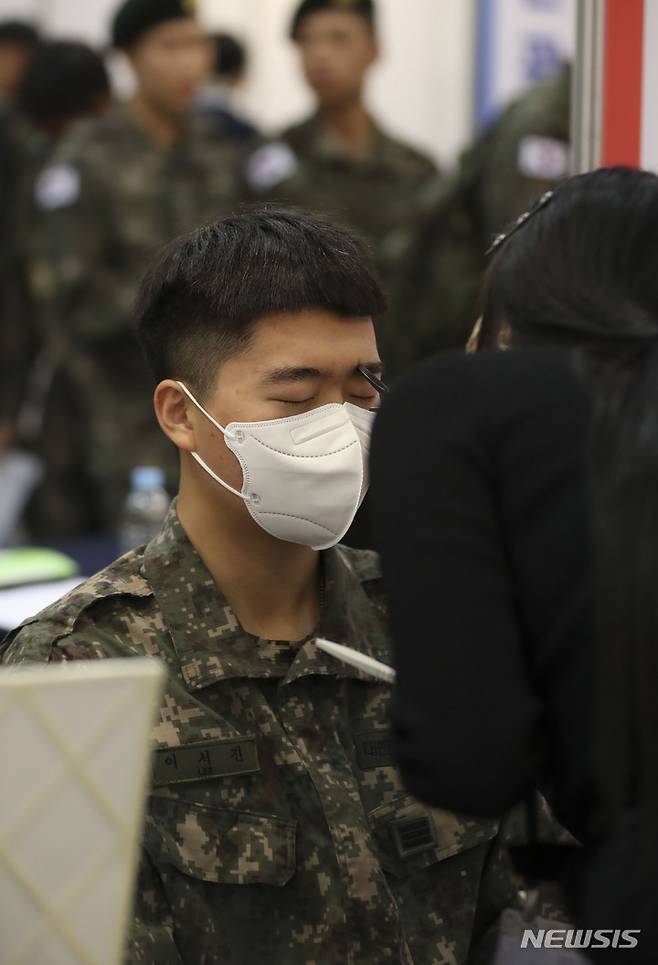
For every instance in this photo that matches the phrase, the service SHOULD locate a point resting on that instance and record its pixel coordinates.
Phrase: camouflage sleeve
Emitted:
(20, 647)
(440, 278)
(517, 191)
(151, 940)
(78, 274)
(526, 154)
(44, 641)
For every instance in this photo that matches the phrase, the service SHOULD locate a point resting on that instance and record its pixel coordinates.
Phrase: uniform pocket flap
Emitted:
(227, 847)
(412, 836)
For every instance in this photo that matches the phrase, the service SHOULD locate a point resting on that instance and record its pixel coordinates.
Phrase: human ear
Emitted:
(173, 411)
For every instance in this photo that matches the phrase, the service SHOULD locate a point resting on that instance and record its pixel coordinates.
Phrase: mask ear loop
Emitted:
(195, 455)
(216, 424)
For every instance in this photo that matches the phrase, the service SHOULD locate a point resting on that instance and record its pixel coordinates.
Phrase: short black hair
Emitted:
(17, 33)
(134, 18)
(231, 58)
(201, 297)
(360, 8)
(65, 79)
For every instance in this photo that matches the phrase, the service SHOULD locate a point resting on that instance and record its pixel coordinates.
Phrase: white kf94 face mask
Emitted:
(304, 477)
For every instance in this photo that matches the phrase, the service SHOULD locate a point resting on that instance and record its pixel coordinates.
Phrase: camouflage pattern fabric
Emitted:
(36, 397)
(36, 394)
(527, 154)
(524, 154)
(278, 831)
(383, 193)
(107, 202)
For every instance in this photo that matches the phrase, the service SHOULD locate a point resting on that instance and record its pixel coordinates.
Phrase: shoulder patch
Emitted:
(57, 187)
(270, 165)
(543, 158)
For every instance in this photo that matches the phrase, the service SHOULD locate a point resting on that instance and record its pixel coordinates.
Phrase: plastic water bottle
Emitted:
(145, 508)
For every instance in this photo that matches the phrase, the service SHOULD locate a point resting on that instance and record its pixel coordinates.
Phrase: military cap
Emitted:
(362, 8)
(135, 17)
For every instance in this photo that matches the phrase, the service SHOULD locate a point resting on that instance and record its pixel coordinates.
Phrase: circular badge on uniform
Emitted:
(58, 187)
(270, 165)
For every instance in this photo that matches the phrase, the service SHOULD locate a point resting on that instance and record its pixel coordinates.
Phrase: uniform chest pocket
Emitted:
(221, 846)
(411, 836)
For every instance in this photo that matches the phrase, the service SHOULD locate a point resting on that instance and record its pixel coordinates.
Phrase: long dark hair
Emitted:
(583, 272)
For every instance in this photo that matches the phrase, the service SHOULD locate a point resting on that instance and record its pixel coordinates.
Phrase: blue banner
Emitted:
(519, 42)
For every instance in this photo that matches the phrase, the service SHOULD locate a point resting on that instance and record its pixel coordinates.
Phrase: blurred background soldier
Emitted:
(118, 189)
(340, 160)
(217, 98)
(516, 160)
(65, 82)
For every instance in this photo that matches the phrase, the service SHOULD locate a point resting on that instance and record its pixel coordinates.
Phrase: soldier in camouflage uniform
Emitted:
(118, 189)
(340, 160)
(64, 83)
(278, 831)
(524, 154)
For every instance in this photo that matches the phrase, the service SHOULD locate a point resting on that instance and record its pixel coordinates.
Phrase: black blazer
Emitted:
(480, 510)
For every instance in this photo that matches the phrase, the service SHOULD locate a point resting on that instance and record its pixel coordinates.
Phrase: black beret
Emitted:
(362, 8)
(135, 17)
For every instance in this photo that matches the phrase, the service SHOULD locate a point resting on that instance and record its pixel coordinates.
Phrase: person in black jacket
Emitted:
(515, 502)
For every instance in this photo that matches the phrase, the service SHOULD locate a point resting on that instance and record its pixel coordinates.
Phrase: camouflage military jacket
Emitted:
(278, 831)
(385, 194)
(109, 199)
(510, 165)
(379, 192)
(107, 202)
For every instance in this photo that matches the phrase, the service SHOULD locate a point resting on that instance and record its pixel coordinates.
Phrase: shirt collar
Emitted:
(209, 641)
(191, 126)
(321, 144)
(348, 617)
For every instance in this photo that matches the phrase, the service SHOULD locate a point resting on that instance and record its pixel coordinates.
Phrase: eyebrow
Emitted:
(294, 374)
